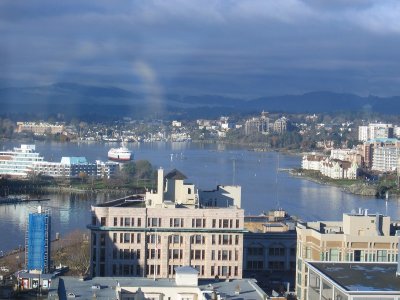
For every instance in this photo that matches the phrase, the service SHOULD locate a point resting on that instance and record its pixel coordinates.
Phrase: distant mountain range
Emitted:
(93, 102)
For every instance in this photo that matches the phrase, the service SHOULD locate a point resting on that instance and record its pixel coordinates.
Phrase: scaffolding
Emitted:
(37, 241)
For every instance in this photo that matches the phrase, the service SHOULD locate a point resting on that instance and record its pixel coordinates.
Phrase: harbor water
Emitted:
(205, 165)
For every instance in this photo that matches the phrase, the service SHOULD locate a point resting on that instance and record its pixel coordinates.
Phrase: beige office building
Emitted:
(153, 234)
(360, 237)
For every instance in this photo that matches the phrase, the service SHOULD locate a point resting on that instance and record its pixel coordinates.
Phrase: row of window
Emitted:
(272, 251)
(173, 222)
(127, 254)
(221, 239)
(126, 270)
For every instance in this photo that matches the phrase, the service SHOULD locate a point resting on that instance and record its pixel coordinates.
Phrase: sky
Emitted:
(243, 48)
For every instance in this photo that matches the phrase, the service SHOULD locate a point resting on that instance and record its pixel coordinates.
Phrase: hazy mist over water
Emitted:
(205, 165)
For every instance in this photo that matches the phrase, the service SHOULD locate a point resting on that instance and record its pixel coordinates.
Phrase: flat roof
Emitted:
(107, 285)
(361, 277)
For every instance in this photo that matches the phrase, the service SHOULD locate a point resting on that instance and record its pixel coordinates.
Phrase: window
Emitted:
(214, 223)
(381, 255)
(154, 222)
(176, 222)
(127, 222)
(198, 223)
(127, 238)
(197, 239)
(225, 223)
(255, 265)
(276, 251)
(226, 239)
(115, 221)
(237, 223)
(255, 251)
(224, 254)
(139, 222)
(175, 239)
(138, 238)
(114, 237)
(334, 254)
(153, 239)
(103, 221)
(175, 253)
(102, 239)
(276, 265)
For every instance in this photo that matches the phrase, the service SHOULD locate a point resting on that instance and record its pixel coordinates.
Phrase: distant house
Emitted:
(312, 162)
(339, 169)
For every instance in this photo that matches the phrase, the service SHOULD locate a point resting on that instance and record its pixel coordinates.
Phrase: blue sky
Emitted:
(228, 47)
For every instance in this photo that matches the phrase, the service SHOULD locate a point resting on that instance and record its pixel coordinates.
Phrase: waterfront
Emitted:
(205, 165)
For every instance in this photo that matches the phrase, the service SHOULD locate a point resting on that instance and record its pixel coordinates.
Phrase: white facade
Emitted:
(17, 163)
(312, 162)
(338, 169)
(375, 131)
(385, 159)
(151, 236)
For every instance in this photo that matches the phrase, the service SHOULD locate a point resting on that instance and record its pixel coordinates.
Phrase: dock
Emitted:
(16, 200)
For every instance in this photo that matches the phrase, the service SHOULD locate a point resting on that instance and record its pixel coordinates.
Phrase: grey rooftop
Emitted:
(362, 277)
(104, 287)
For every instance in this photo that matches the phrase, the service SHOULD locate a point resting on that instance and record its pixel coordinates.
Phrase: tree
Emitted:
(144, 169)
(129, 169)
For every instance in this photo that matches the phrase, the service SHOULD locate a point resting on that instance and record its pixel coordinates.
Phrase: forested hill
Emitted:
(95, 102)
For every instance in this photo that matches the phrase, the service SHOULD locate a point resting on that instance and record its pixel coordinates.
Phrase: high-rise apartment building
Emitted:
(257, 124)
(375, 131)
(37, 248)
(153, 234)
(360, 237)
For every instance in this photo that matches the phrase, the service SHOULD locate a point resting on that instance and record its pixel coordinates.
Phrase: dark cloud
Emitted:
(246, 48)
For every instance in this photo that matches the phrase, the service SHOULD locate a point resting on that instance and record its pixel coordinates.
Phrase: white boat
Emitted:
(120, 154)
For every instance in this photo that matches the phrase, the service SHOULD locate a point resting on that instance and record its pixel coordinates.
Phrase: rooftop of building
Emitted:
(361, 277)
(175, 175)
(128, 201)
(105, 287)
(73, 160)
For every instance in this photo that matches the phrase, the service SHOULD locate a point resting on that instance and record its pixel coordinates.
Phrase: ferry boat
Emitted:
(18, 162)
(120, 154)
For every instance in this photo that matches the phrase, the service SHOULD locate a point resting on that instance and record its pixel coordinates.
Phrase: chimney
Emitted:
(378, 224)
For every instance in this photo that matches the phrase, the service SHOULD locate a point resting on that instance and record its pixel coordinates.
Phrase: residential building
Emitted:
(350, 155)
(40, 128)
(375, 131)
(312, 162)
(363, 133)
(359, 237)
(338, 169)
(17, 162)
(280, 125)
(385, 159)
(185, 286)
(352, 281)
(270, 246)
(37, 248)
(154, 233)
(73, 167)
(257, 124)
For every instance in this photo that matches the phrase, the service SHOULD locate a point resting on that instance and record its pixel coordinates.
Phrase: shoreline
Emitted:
(353, 187)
